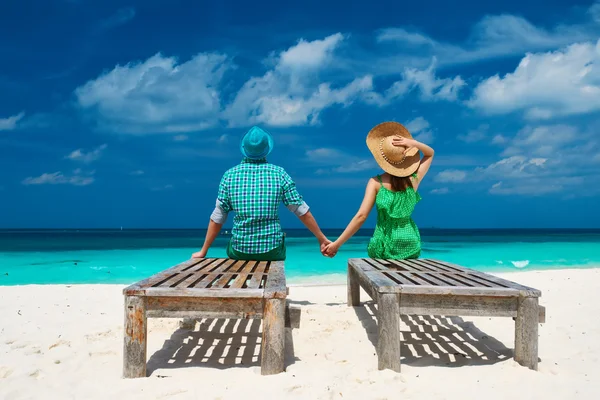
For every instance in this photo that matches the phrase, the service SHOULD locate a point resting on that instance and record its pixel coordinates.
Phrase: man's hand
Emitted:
(199, 254)
(323, 244)
(331, 249)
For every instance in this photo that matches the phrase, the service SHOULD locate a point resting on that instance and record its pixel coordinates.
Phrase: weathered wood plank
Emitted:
(138, 287)
(377, 280)
(404, 265)
(416, 304)
(353, 287)
(188, 282)
(204, 292)
(526, 332)
(424, 267)
(216, 304)
(135, 337)
(273, 337)
(388, 343)
(275, 287)
(524, 290)
(459, 290)
(439, 267)
(432, 277)
(243, 275)
(257, 275)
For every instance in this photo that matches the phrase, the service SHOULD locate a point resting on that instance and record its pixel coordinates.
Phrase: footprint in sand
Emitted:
(95, 337)
(102, 353)
(37, 374)
(60, 343)
(17, 346)
(5, 372)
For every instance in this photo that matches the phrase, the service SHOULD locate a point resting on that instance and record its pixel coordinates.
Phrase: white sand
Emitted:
(59, 342)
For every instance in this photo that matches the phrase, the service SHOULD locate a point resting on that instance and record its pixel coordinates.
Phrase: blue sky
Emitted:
(127, 113)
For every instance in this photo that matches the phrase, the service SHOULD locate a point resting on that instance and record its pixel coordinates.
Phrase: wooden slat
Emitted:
(478, 281)
(206, 292)
(224, 266)
(444, 267)
(417, 264)
(451, 305)
(205, 264)
(401, 276)
(190, 280)
(242, 276)
(433, 278)
(207, 280)
(378, 265)
(404, 265)
(222, 281)
(275, 286)
(257, 275)
(373, 281)
(138, 287)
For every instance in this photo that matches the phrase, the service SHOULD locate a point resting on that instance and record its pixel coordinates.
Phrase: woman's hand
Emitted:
(401, 141)
(331, 249)
(200, 254)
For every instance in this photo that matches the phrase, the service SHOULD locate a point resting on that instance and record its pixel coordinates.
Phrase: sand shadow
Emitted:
(216, 343)
(431, 340)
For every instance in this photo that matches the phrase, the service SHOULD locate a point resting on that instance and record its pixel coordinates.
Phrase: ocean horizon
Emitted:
(88, 256)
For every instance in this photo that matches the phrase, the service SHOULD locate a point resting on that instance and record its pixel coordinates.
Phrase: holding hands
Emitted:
(331, 249)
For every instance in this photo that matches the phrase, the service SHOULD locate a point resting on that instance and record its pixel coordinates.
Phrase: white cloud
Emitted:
(291, 94)
(417, 125)
(337, 161)
(451, 175)
(475, 135)
(545, 85)
(10, 123)
(543, 141)
(81, 156)
(308, 55)
(515, 167)
(535, 187)
(494, 36)
(499, 140)
(425, 137)
(180, 138)
(425, 82)
(138, 172)
(121, 17)
(157, 95)
(162, 188)
(443, 190)
(78, 178)
(419, 128)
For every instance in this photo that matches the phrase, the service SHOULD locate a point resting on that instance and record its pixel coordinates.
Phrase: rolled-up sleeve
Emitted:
(291, 198)
(223, 203)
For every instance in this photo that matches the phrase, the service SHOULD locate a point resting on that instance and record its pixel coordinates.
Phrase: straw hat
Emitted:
(395, 160)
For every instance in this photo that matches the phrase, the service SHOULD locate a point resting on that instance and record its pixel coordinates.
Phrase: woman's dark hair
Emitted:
(400, 183)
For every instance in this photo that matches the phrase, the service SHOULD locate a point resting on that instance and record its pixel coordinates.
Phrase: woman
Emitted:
(394, 193)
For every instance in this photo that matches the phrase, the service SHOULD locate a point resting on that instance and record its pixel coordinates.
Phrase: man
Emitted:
(253, 190)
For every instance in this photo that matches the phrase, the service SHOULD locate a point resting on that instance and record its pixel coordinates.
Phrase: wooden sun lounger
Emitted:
(209, 288)
(431, 287)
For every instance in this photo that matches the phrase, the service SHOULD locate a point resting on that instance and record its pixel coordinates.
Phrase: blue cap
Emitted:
(256, 143)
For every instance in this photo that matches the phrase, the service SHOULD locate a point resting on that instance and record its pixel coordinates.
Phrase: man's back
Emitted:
(253, 190)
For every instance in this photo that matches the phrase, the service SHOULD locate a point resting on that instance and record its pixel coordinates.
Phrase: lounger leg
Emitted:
(388, 344)
(526, 332)
(134, 349)
(273, 337)
(353, 288)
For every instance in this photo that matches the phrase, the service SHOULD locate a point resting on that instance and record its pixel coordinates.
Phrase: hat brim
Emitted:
(413, 158)
(267, 151)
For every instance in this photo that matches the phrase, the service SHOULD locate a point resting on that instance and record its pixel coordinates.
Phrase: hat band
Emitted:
(387, 159)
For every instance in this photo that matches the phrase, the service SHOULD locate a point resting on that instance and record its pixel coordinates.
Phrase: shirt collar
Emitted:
(247, 160)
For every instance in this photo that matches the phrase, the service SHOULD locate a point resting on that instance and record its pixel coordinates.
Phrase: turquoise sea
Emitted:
(124, 256)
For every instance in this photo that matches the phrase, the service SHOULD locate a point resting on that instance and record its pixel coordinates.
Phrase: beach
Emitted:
(65, 342)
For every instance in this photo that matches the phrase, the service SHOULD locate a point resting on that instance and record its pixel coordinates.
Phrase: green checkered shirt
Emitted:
(253, 190)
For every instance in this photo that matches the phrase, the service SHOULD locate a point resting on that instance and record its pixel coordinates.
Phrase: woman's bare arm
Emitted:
(428, 154)
(358, 220)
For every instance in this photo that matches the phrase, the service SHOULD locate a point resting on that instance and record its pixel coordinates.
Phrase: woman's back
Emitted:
(396, 235)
